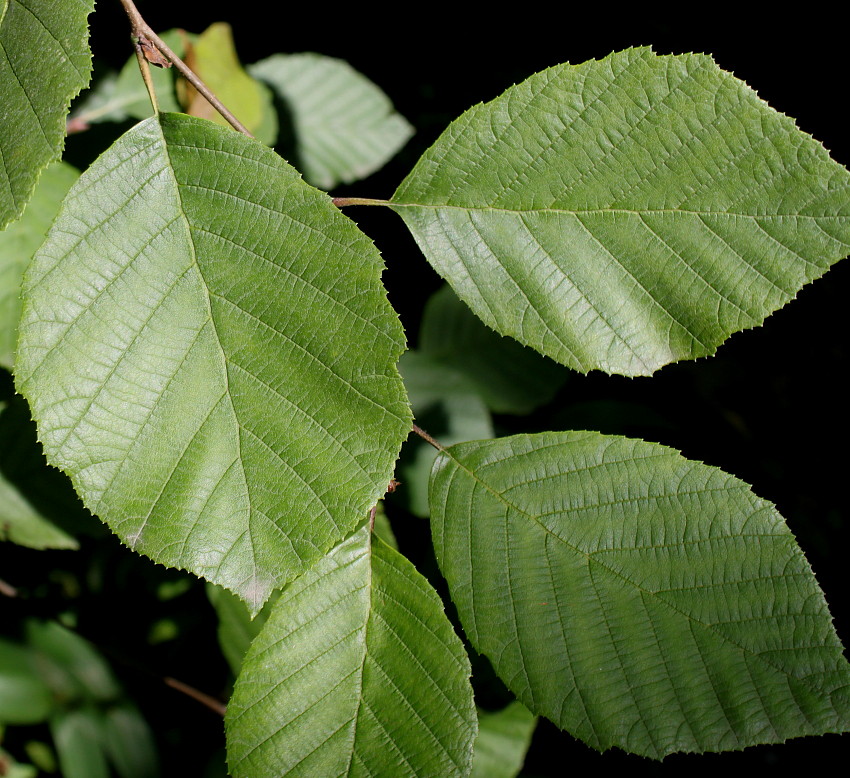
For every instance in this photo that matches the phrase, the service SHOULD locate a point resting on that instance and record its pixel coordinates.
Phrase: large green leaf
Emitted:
(628, 212)
(210, 355)
(634, 597)
(344, 126)
(17, 245)
(44, 61)
(357, 672)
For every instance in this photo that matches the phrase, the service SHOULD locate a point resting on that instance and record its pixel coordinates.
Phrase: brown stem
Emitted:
(7, 589)
(141, 30)
(216, 706)
(426, 437)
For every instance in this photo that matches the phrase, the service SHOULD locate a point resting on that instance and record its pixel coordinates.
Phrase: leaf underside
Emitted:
(636, 598)
(357, 672)
(44, 62)
(210, 355)
(628, 212)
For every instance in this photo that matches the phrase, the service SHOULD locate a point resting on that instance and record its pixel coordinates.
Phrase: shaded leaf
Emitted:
(634, 597)
(509, 377)
(44, 62)
(38, 505)
(503, 738)
(236, 628)
(357, 672)
(24, 696)
(70, 665)
(212, 56)
(447, 404)
(344, 126)
(78, 737)
(627, 213)
(210, 355)
(128, 742)
(118, 97)
(19, 242)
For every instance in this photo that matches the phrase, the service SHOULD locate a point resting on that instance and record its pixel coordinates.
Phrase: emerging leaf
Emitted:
(344, 126)
(357, 672)
(634, 597)
(627, 213)
(44, 62)
(210, 355)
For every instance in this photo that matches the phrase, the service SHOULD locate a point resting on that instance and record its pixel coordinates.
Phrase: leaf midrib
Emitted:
(645, 592)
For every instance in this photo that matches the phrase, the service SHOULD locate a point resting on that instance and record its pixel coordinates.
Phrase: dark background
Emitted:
(769, 408)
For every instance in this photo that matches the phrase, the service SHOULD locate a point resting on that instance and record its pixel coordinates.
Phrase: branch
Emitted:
(143, 36)
(216, 706)
(426, 437)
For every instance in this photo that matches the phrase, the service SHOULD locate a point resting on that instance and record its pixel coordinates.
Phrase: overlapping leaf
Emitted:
(344, 127)
(357, 672)
(44, 62)
(634, 597)
(628, 212)
(210, 355)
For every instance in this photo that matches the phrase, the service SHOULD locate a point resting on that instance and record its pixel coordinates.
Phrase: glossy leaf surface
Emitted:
(357, 672)
(628, 212)
(44, 62)
(634, 597)
(344, 127)
(210, 355)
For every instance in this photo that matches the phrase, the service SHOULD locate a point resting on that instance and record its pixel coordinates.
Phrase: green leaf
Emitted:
(509, 377)
(78, 737)
(236, 628)
(627, 213)
(17, 245)
(14, 769)
(634, 597)
(128, 742)
(212, 56)
(344, 126)
(210, 355)
(357, 672)
(38, 506)
(70, 665)
(44, 62)
(122, 96)
(503, 738)
(24, 696)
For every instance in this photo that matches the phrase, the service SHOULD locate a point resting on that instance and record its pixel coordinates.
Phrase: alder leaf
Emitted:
(44, 62)
(634, 597)
(356, 672)
(344, 126)
(19, 241)
(628, 212)
(210, 355)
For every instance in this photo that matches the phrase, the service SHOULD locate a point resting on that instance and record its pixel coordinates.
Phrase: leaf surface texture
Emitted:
(44, 62)
(628, 212)
(357, 672)
(210, 354)
(634, 597)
